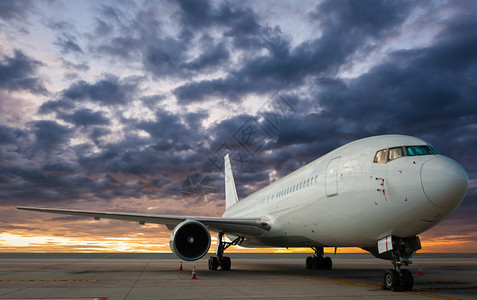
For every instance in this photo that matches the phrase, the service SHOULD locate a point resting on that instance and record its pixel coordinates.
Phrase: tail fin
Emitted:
(230, 191)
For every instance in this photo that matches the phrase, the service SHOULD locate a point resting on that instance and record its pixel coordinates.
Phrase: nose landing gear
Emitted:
(401, 279)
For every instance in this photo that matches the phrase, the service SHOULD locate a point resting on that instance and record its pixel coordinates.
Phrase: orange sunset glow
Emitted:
(46, 234)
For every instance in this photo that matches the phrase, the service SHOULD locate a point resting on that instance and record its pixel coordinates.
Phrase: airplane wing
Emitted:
(247, 227)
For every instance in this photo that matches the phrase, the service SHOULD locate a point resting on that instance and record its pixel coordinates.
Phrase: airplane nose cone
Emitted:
(444, 182)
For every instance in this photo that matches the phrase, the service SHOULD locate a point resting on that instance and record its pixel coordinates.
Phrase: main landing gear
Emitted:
(317, 261)
(398, 279)
(220, 260)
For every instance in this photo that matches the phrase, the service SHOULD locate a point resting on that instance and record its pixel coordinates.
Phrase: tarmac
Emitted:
(253, 276)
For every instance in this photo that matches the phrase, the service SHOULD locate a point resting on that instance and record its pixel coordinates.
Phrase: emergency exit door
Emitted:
(331, 180)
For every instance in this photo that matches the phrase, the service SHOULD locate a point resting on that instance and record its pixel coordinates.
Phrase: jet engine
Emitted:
(190, 240)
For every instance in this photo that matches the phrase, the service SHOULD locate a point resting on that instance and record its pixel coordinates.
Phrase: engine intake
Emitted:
(190, 240)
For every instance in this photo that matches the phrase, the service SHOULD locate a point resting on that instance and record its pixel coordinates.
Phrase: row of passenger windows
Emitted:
(297, 186)
(289, 190)
(386, 155)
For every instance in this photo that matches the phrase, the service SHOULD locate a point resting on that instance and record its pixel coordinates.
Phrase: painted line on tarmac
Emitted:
(62, 298)
(429, 295)
(346, 282)
(380, 287)
(47, 280)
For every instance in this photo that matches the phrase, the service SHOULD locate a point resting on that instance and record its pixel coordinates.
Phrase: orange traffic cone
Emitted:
(420, 271)
(193, 274)
(180, 267)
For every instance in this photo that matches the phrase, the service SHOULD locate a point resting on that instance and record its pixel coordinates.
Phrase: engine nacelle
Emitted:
(190, 240)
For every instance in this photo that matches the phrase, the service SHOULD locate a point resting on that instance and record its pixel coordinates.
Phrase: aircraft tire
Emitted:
(314, 263)
(226, 263)
(327, 263)
(317, 263)
(309, 262)
(213, 263)
(407, 280)
(391, 280)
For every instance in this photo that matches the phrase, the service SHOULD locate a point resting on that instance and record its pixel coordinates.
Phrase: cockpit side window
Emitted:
(434, 149)
(418, 150)
(395, 153)
(380, 157)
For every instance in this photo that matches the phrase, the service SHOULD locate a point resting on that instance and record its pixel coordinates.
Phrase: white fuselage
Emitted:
(344, 198)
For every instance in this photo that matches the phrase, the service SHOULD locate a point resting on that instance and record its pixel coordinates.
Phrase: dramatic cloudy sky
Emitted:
(130, 105)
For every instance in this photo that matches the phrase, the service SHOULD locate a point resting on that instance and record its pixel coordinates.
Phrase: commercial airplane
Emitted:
(377, 193)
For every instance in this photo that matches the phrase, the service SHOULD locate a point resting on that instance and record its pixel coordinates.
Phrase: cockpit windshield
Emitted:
(418, 150)
(389, 154)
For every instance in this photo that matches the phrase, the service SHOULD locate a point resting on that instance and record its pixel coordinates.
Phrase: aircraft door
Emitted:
(331, 180)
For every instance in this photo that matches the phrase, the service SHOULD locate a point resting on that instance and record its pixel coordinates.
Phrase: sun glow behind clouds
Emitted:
(45, 243)
(137, 243)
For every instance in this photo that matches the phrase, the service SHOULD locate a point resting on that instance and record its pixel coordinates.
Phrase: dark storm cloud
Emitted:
(422, 91)
(166, 54)
(50, 135)
(15, 9)
(97, 133)
(68, 43)
(109, 91)
(209, 59)
(174, 145)
(167, 132)
(39, 185)
(19, 73)
(8, 135)
(85, 117)
(56, 105)
(348, 26)
(199, 14)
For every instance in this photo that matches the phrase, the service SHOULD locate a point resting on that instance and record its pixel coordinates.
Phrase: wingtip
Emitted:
(29, 208)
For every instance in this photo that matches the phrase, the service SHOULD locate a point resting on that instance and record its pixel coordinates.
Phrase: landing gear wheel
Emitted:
(220, 260)
(407, 280)
(213, 263)
(316, 263)
(309, 262)
(327, 263)
(391, 280)
(226, 263)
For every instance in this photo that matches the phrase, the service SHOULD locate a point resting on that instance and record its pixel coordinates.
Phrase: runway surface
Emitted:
(253, 276)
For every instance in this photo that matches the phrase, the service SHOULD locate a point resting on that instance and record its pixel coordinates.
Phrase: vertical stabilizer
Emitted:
(230, 191)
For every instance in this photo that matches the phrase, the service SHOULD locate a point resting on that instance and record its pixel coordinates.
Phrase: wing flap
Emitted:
(248, 227)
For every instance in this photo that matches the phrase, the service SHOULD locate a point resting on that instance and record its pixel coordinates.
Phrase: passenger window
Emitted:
(308, 182)
(395, 153)
(380, 157)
